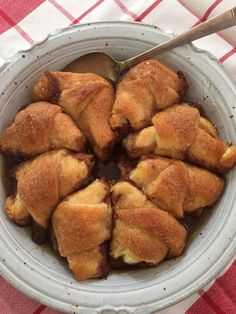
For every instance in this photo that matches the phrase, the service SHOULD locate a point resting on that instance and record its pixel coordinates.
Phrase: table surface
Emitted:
(23, 22)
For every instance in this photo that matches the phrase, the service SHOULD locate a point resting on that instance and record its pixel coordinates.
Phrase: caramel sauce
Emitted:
(107, 170)
(8, 165)
(196, 224)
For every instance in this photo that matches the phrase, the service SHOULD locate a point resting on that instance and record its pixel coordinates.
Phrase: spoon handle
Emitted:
(215, 24)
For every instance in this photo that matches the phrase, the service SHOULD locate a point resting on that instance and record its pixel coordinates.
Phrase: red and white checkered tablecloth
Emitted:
(23, 22)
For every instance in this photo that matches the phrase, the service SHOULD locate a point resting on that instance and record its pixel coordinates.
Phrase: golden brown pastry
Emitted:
(181, 133)
(143, 234)
(42, 182)
(38, 128)
(175, 186)
(82, 225)
(16, 211)
(88, 99)
(146, 88)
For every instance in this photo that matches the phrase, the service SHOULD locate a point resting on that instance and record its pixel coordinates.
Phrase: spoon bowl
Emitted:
(99, 63)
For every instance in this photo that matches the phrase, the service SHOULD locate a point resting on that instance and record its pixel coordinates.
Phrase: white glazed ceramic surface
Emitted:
(36, 270)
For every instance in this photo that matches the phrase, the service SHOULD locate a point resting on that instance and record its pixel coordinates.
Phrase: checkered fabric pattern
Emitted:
(24, 22)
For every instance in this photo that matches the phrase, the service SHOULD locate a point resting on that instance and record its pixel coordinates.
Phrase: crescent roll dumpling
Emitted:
(42, 182)
(38, 128)
(181, 133)
(88, 99)
(177, 187)
(146, 88)
(143, 234)
(82, 225)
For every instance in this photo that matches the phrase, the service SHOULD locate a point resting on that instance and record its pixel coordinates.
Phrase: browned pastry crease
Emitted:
(175, 186)
(146, 88)
(88, 99)
(38, 128)
(142, 232)
(82, 224)
(181, 133)
(43, 181)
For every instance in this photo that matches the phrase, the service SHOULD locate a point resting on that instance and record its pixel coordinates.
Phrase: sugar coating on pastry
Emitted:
(88, 99)
(42, 182)
(126, 195)
(82, 224)
(130, 221)
(142, 232)
(180, 132)
(38, 128)
(175, 186)
(146, 88)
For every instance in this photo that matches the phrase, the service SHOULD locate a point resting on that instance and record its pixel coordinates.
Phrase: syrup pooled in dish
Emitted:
(136, 217)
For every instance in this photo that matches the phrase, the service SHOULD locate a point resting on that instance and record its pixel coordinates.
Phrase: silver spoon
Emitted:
(104, 65)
